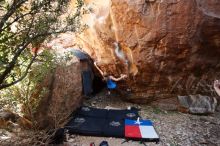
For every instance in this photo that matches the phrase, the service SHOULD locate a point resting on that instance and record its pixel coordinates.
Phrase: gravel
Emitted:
(174, 128)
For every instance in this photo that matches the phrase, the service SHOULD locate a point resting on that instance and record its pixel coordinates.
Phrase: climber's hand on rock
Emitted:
(124, 76)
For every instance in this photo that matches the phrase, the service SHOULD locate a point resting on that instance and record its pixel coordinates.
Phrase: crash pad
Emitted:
(100, 122)
(140, 130)
(87, 82)
(91, 121)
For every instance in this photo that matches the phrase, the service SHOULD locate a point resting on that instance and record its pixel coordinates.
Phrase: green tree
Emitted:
(24, 25)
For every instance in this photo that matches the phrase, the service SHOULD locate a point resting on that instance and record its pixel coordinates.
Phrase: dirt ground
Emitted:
(174, 128)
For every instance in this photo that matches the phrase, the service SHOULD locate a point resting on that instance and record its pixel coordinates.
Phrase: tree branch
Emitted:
(15, 20)
(20, 48)
(22, 77)
(36, 35)
(11, 11)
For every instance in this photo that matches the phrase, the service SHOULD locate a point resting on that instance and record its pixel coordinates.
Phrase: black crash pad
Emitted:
(100, 122)
(87, 82)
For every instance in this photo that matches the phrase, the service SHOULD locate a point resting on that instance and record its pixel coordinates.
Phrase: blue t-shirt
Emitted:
(111, 84)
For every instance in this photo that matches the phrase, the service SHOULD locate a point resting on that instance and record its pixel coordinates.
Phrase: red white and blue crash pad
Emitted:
(140, 130)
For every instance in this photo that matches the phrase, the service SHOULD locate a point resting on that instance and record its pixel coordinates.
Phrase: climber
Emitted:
(110, 80)
(217, 86)
(120, 53)
(124, 53)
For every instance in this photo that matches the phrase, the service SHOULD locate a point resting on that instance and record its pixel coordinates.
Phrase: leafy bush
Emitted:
(24, 26)
(20, 96)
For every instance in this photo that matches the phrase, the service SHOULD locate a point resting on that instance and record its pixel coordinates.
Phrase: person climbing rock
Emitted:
(124, 53)
(217, 87)
(110, 80)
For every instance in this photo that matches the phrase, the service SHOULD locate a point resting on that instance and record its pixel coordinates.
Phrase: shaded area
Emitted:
(91, 81)
(98, 84)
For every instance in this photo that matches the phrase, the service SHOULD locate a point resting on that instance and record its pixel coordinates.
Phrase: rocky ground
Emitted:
(174, 128)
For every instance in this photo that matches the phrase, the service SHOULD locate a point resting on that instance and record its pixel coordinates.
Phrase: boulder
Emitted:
(197, 104)
(173, 45)
(11, 120)
(63, 97)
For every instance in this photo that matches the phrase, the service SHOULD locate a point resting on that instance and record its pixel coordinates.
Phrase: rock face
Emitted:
(173, 43)
(198, 104)
(10, 119)
(64, 95)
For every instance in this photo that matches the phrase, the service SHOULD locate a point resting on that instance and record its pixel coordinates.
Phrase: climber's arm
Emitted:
(123, 76)
(101, 72)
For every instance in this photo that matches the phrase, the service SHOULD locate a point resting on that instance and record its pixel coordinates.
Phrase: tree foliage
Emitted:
(28, 92)
(24, 26)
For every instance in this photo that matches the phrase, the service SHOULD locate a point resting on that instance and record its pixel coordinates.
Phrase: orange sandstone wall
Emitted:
(175, 44)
